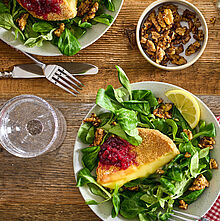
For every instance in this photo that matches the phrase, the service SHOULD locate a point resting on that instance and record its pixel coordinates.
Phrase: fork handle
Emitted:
(41, 64)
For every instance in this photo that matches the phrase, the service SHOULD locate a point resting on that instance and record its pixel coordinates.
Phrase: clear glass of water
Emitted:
(30, 126)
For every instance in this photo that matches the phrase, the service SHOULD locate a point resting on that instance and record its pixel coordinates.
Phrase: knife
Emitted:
(34, 71)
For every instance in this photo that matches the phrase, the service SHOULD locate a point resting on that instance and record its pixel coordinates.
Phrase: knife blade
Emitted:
(34, 71)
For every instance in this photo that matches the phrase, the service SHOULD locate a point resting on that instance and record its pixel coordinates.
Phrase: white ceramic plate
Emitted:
(48, 49)
(199, 207)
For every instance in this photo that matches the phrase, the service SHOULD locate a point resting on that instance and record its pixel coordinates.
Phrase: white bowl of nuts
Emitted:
(172, 35)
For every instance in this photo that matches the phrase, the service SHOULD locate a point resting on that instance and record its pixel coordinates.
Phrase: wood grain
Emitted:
(44, 188)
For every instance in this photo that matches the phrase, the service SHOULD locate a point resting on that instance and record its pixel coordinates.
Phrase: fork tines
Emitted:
(65, 80)
(181, 216)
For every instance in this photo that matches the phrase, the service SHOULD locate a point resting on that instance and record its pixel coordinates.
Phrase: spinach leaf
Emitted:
(105, 118)
(109, 5)
(174, 173)
(175, 160)
(83, 131)
(144, 119)
(194, 165)
(124, 81)
(161, 125)
(208, 131)
(204, 152)
(143, 217)
(68, 44)
(90, 157)
(84, 177)
(139, 106)
(176, 115)
(167, 185)
(42, 26)
(97, 191)
(3, 8)
(193, 196)
(77, 31)
(38, 41)
(104, 101)
(104, 18)
(148, 198)
(131, 206)
(84, 24)
(6, 21)
(187, 147)
(114, 94)
(90, 135)
(126, 118)
(174, 127)
(115, 202)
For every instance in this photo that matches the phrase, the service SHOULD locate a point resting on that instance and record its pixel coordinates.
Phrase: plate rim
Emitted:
(137, 83)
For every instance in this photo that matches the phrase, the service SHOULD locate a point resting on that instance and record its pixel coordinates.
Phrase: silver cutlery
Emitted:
(185, 216)
(35, 71)
(58, 76)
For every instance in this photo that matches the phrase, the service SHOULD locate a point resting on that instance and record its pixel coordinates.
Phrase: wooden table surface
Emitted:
(44, 188)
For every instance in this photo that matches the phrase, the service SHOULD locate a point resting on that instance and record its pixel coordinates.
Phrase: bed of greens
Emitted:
(37, 31)
(154, 197)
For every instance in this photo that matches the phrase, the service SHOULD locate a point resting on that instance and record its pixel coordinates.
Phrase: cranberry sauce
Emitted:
(117, 152)
(42, 7)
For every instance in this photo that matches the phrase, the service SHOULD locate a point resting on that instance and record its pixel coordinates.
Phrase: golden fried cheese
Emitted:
(155, 151)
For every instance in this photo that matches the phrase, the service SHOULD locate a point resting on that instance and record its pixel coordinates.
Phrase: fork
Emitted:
(58, 76)
(181, 215)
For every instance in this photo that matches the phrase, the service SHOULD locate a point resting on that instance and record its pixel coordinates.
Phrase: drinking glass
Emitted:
(30, 126)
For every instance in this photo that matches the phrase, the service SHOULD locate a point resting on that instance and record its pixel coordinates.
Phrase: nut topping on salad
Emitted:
(183, 204)
(199, 183)
(213, 164)
(207, 142)
(93, 119)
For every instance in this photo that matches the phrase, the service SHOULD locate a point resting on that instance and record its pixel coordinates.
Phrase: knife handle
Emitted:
(6, 75)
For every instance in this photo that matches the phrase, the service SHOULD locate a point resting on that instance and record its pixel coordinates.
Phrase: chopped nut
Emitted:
(188, 133)
(189, 14)
(159, 113)
(213, 164)
(168, 16)
(181, 31)
(194, 30)
(186, 37)
(191, 25)
(207, 142)
(171, 50)
(193, 48)
(93, 119)
(177, 59)
(163, 111)
(160, 19)
(143, 40)
(160, 171)
(168, 106)
(152, 18)
(147, 25)
(159, 55)
(134, 188)
(114, 123)
(187, 155)
(22, 21)
(177, 18)
(150, 46)
(197, 22)
(173, 8)
(199, 36)
(99, 134)
(212, 20)
(168, 115)
(179, 49)
(84, 7)
(164, 61)
(183, 204)
(160, 100)
(60, 30)
(199, 183)
(91, 14)
(155, 36)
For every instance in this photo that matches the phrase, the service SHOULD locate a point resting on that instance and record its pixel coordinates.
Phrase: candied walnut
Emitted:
(160, 171)
(167, 106)
(159, 113)
(150, 46)
(164, 61)
(143, 40)
(93, 119)
(99, 134)
(177, 59)
(22, 21)
(114, 123)
(91, 14)
(177, 17)
(167, 115)
(186, 37)
(213, 164)
(193, 48)
(207, 142)
(134, 188)
(188, 133)
(165, 41)
(179, 49)
(84, 7)
(197, 22)
(183, 204)
(147, 25)
(173, 8)
(194, 29)
(189, 14)
(60, 30)
(187, 155)
(152, 18)
(190, 24)
(160, 20)
(160, 100)
(171, 50)
(199, 183)
(163, 111)
(212, 20)
(181, 31)
(155, 36)
(199, 36)
(168, 16)
(159, 55)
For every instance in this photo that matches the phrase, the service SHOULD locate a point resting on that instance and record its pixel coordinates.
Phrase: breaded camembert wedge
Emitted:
(155, 151)
(50, 10)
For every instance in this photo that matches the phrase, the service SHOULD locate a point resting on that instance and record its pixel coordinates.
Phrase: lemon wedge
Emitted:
(186, 104)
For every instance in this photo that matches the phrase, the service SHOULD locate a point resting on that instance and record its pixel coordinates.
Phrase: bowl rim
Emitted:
(75, 154)
(153, 5)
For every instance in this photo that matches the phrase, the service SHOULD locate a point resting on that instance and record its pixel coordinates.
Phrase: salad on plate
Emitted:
(145, 156)
(60, 22)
